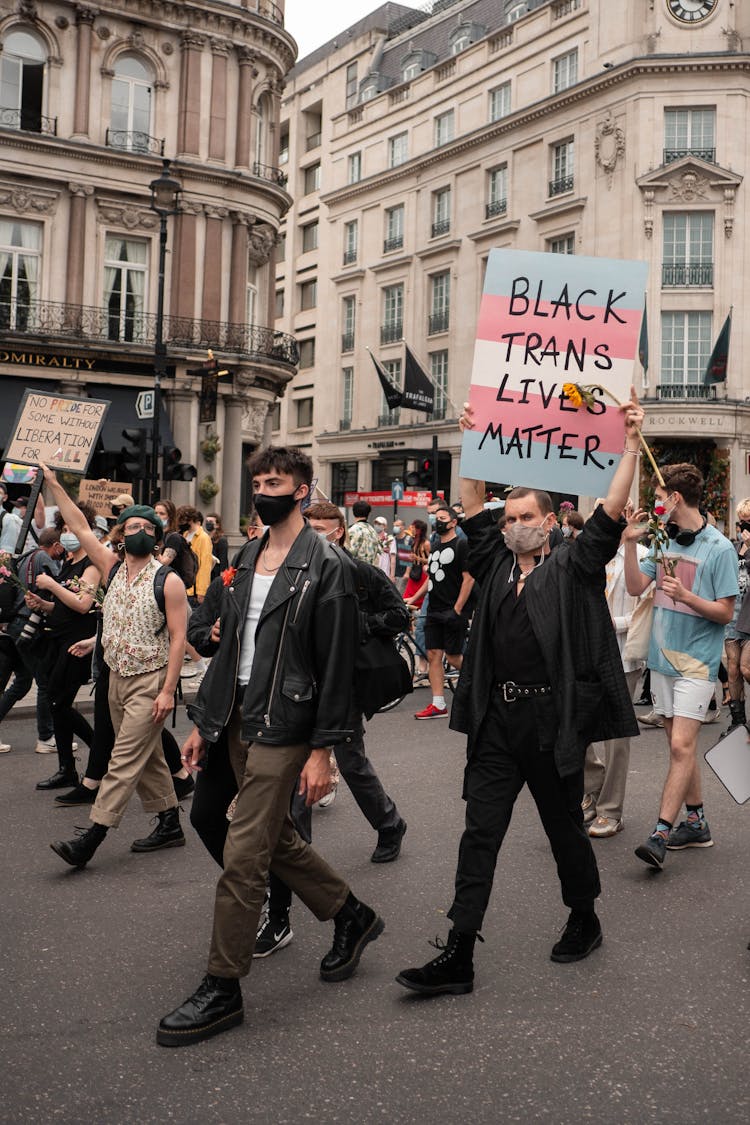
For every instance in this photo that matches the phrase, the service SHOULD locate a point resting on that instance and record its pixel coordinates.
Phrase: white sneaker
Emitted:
(327, 801)
(188, 672)
(46, 746)
(4, 748)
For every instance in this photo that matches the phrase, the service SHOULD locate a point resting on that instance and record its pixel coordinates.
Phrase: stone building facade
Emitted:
(92, 97)
(421, 139)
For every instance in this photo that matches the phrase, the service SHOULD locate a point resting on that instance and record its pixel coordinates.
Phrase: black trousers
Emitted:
(66, 675)
(507, 755)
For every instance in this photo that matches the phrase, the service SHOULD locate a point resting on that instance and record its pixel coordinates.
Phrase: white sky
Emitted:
(313, 24)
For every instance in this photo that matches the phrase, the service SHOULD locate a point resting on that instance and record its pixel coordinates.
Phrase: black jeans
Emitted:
(215, 788)
(24, 665)
(506, 756)
(104, 734)
(66, 675)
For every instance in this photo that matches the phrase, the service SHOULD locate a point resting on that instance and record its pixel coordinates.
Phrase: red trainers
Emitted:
(432, 712)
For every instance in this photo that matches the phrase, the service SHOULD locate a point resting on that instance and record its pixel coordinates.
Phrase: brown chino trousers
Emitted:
(262, 837)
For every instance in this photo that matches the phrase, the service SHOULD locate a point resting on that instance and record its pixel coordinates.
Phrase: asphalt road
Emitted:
(653, 1027)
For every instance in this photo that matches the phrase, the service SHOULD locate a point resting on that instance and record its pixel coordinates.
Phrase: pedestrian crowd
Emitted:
(543, 633)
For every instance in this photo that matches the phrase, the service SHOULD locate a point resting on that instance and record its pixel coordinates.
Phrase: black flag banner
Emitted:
(419, 392)
(393, 396)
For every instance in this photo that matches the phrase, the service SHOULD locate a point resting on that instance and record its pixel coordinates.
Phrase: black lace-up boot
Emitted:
(354, 926)
(215, 1006)
(79, 851)
(167, 834)
(451, 971)
(581, 936)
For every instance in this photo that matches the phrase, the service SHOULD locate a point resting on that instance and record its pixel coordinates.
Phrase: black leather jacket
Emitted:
(305, 643)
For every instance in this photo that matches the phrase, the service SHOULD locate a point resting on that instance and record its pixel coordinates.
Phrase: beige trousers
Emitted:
(262, 837)
(137, 763)
(606, 780)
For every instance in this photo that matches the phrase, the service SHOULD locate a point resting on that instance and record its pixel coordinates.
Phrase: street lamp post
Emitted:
(165, 195)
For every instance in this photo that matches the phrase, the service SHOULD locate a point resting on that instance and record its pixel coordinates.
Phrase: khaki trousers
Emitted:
(606, 780)
(137, 763)
(262, 837)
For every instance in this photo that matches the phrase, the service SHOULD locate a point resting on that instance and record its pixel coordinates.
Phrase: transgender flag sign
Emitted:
(546, 320)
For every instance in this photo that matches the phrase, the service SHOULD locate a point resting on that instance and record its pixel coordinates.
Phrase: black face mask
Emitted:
(274, 509)
(184, 527)
(139, 544)
(744, 525)
(442, 528)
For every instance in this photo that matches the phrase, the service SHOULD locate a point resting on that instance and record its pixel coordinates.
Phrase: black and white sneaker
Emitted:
(273, 934)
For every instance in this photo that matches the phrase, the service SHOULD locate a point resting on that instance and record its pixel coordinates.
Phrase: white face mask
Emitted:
(326, 536)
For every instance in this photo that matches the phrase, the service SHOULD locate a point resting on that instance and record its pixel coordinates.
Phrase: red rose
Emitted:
(227, 576)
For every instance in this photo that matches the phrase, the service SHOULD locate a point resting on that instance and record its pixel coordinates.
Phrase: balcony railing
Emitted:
(349, 257)
(393, 243)
(392, 332)
(683, 274)
(438, 322)
(497, 207)
(267, 9)
(442, 226)
(557, 187)
(564, 8)
(87, 323)
(313, 141)
(672, 154)
(134, 142)
(27, 121)
(390, 419)
(347, 342)
(685, 391)
(266, 172)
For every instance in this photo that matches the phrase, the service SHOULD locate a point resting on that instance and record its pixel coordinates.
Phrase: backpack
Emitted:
(160, 577)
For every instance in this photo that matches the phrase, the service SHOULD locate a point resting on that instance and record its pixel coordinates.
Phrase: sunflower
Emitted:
(573, 393)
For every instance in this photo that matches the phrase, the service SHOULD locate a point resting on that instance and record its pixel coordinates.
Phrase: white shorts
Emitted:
(675, 695)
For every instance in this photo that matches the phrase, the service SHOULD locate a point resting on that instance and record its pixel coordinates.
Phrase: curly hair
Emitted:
(685, 479)
(283, 459)
(86, 508)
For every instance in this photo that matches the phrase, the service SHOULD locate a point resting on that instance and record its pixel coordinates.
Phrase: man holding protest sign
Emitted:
(535, 688)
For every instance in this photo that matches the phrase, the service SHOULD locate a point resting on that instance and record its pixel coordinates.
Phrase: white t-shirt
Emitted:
(259, 592)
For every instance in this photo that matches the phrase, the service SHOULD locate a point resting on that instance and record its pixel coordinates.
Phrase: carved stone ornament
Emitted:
(62, 22)
(688, 187)
(261, 240)
(25, 202)
(84, 190)
(167, 49)
(609, 146)
(131, 218)
(103, 32)
(136, 40)
(254, 415)
(27, 9)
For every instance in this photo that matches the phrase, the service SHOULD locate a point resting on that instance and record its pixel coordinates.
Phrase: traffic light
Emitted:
(175, 468)
(134, 463)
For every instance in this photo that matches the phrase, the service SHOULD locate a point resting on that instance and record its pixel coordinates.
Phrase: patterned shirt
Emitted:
(364, 542)
(134, 636)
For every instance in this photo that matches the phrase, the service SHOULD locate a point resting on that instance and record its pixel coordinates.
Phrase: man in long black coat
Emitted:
(541, 679)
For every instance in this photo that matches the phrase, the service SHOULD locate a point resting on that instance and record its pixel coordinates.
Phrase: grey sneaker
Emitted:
(685, 836)
(651, 720)
(653, 851)
(588, 808)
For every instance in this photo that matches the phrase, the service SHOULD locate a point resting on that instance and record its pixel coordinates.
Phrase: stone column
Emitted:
(189, 115)
(84, 22)
(212, 271)
(182, 274)
(275, 90)
(217, 137)
(238, 270)
(79, 193)
(181, 406)
(248, 72)
(231, 479)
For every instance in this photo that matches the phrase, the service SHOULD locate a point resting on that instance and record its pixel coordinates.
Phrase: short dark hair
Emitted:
(361, 509)
(575, 520)
(48, 536)
(685, 479)
(186, 513)
(284, 459)
(543, 499)
(325, 510)
(452, 513)
(88, 511)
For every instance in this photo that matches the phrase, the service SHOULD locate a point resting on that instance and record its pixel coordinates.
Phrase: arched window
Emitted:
(251, 294)
(130, 122)
(22, 64)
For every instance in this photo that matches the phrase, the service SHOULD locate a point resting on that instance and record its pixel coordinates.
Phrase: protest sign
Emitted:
(62, 432)
(101, 493)
(547, 320)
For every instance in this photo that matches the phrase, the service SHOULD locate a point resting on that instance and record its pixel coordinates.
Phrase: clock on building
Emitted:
(691, 11)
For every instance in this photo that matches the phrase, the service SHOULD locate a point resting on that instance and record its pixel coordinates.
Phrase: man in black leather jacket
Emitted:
(284, 635)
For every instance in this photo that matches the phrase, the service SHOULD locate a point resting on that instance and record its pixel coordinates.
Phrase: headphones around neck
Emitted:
(684, 538)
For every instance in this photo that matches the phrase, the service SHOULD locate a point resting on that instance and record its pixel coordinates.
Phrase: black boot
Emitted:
(167, 834)
(737, 716)
(452, 971)
(354, 925)
(65, 776)
(215, 1006)
(389, 843)
(79, 851)
(582, 935)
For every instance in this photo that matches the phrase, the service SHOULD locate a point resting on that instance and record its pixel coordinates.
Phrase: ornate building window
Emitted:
(132, 92)
(20, 259)
(22, 71)
(685, 346)
(688, 248)
(125, 275)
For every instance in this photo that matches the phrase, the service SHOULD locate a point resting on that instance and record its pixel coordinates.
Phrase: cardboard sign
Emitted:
(101, 493)
(546, 320)
(62, 432)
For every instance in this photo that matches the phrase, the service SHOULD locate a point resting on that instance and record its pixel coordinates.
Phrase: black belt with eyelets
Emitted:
(512, 692)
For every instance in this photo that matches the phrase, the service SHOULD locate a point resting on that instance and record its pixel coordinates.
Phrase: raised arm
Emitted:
(101, 556)
(620, 485)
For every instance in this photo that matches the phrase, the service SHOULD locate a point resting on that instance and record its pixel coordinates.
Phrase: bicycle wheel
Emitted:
(406, 652)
